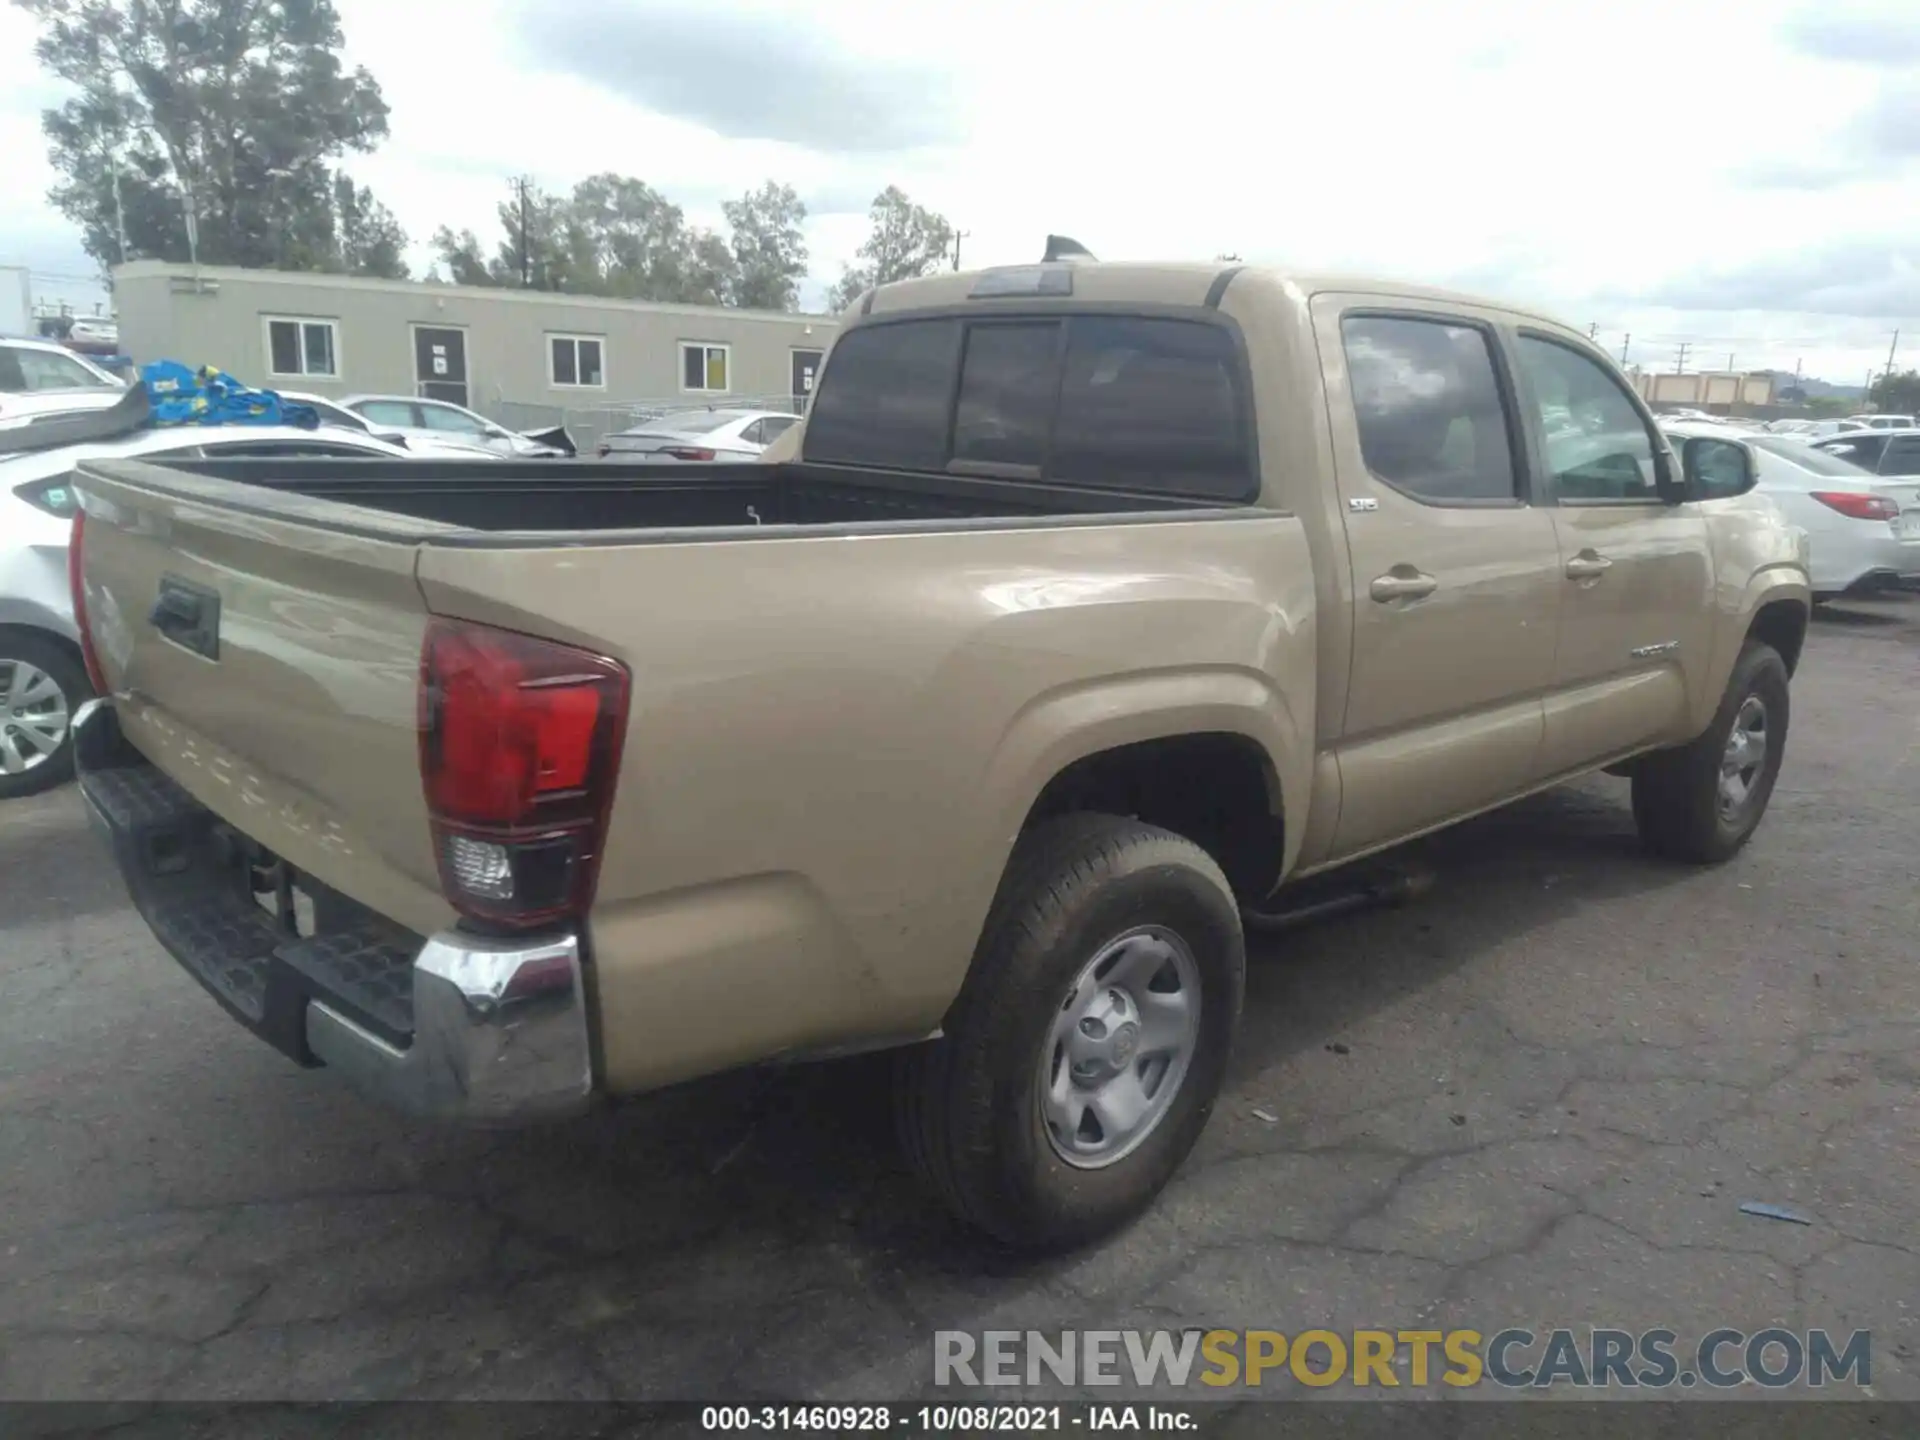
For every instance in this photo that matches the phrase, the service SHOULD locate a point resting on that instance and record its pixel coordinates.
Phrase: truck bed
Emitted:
(548, 498)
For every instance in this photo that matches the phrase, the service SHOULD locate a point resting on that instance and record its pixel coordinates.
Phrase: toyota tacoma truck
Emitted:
(1098, 603)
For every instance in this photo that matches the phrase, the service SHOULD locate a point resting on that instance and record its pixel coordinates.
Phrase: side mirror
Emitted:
(1716, 469)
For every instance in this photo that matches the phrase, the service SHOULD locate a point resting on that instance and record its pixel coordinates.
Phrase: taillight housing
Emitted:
(519, 751)
(688, 452)
(1858, 504)
(76, 582)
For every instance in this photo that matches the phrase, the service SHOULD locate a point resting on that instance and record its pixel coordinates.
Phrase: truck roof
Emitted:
(1175, 283)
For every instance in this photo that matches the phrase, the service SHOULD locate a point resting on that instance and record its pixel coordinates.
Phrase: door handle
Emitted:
(1588, 566)
(1403, 582)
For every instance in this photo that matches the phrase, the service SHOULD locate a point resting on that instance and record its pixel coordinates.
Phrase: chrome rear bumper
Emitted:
(452, 1027)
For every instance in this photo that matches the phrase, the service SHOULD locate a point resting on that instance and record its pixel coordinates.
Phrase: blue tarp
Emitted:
(182, 396)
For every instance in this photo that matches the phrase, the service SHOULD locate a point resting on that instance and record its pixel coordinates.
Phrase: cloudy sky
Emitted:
(1740, 176)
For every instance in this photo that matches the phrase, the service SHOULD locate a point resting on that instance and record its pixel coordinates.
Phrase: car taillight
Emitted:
(76, 552)
(689, 452)
(519, 751)
(1858, 505)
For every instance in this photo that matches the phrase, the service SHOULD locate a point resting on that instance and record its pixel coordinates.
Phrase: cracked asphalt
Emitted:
(1535, 1097)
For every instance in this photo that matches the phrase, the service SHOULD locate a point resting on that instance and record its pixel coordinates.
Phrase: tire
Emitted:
(1677, 796)
(38, 769)
(969, 1105)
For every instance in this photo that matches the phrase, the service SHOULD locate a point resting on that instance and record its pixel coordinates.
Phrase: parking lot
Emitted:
(1535, 1097)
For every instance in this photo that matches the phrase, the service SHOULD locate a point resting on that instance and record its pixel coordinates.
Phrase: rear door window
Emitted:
(1902, 457)
(885, 396)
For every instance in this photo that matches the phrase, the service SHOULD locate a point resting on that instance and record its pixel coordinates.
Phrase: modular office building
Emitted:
(496, 351)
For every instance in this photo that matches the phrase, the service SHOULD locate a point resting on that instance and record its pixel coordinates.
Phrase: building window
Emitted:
(303, 347)
(704, 368)
(575, 361)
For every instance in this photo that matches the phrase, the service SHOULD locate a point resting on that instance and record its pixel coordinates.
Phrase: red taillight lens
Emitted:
(519, 750)
(76, 551)
(1857, 504)
(689, 452)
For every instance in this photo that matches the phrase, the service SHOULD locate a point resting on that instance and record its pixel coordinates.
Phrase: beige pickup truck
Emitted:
(1100, 602)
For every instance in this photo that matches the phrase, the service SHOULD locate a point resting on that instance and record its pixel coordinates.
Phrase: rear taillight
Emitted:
(519, 751)
(688, 452)
(1857, 504)
(76, 566)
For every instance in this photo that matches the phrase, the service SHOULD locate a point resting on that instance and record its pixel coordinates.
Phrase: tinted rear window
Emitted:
(1152, 405)
(885, 395)
(1006, 393)
(1137, 403)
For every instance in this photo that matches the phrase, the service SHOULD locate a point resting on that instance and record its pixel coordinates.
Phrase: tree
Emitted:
(462, 256)
(907, 240)
(629, 240)
(238, 112)
(1896, 394)
(534, 254)
(370, 237)
(769, 247)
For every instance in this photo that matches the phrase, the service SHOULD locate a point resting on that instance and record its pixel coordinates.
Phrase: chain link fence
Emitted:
(589, 425)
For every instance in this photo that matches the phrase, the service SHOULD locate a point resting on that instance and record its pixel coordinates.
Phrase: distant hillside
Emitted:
(1815, 388)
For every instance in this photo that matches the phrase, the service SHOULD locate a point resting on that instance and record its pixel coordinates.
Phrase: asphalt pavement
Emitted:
(1536, 1097)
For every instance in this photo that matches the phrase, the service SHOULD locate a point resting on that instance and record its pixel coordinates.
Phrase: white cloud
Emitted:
(1604, 158)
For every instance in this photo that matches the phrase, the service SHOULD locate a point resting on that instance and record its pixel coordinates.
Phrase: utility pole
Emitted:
(1623, 347)
(1729, 362)
(1680, 365)
(1593, 330)
(526, 230)
(958, 236)
(1890, 350)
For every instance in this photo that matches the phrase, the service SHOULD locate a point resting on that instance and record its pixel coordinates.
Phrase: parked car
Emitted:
(1882, 422)
(1811, 430)
(90, 331)
(447, 444)
(442, 420)
(42, 678)
(1864, 532)
(700, 437)
(37, 376)
(1103, 602)
(1879, 452)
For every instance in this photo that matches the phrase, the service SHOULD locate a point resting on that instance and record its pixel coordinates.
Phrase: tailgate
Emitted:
(270, 665)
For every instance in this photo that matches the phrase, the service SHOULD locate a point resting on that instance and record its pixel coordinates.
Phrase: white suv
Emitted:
(40, 376)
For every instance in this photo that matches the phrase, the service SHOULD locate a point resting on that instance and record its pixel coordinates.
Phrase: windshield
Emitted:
(1809, 457)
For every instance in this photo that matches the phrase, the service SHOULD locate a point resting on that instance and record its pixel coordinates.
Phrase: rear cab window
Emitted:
(1087, 399)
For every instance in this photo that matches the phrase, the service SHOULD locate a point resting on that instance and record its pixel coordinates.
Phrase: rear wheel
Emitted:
(1701, 802)
(1083, 1056)
(41, 686)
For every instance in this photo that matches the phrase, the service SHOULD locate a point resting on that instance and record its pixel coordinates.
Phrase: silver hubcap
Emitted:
(33, 717)
(1745, 756)
(1120, 1047)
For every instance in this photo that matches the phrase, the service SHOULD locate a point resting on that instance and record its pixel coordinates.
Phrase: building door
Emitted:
(806, 369)
(440, 364)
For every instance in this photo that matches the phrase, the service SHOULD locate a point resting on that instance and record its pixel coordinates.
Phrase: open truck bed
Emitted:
(608, 501)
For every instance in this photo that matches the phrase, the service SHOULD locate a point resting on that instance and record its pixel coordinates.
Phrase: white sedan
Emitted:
(700, 437)
(42, 680)
(444, 421)
(1863, 530)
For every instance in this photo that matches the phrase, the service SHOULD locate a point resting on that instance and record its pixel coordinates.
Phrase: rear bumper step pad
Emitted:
(457, 1027)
